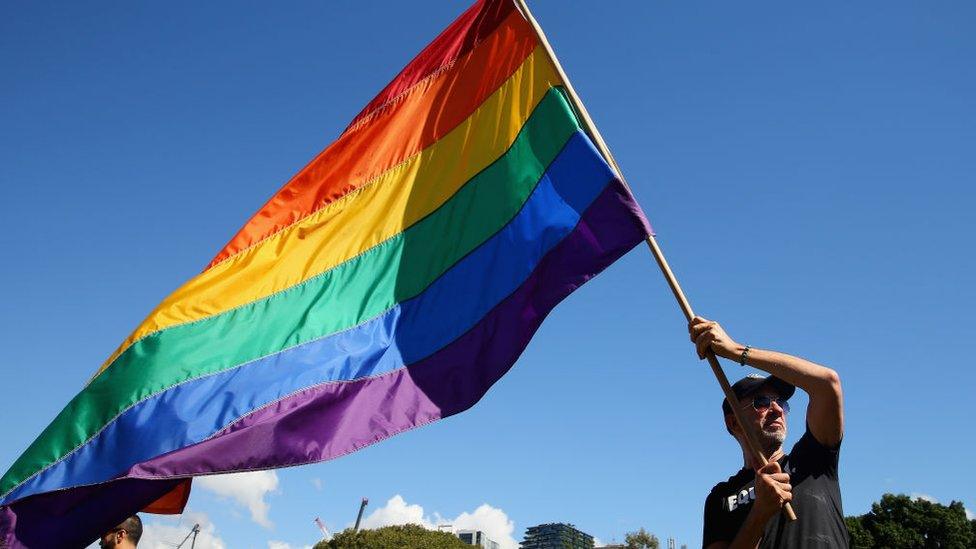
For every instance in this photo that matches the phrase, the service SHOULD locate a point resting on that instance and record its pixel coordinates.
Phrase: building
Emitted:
(556, 536)
(476, 537)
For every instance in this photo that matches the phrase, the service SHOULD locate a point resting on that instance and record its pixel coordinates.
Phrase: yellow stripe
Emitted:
(378, 210)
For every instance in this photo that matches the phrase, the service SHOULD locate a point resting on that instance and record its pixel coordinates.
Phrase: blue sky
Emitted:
(809, 171)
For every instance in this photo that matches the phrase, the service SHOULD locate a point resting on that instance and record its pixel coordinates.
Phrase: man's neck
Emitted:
(772, 454)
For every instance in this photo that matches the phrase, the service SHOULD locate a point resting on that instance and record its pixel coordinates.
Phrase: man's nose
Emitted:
(774, 406)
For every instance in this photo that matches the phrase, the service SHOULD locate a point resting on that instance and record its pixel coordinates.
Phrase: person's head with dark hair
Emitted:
(123, 536)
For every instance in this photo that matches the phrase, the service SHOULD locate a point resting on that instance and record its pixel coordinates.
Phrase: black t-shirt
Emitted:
(816, 499)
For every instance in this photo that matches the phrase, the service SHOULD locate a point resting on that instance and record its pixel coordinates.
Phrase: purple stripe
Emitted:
(333, 419)
(76, 517)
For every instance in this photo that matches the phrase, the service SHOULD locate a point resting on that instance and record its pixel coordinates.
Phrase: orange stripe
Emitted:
(172, 502)
(407, 124)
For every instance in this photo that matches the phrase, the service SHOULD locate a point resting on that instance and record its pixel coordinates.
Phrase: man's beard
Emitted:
(772, 439)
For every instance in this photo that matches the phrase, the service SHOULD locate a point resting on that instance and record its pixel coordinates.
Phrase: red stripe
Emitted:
(473, 26)
(384, 137)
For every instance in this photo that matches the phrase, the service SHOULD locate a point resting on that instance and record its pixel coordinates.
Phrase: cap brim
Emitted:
(752, 384)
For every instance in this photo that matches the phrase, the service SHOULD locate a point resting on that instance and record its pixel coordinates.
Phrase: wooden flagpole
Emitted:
(751, 439)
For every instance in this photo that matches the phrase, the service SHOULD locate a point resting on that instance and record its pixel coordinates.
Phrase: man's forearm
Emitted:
(825, 414)
(751, 532)
(811, 377)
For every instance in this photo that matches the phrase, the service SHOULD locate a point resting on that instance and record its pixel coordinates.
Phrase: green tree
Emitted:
(900, 521)
(641, 539)
(393, 537)
(860, 537)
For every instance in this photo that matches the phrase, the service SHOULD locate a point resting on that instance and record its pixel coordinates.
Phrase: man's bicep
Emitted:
(825, 413)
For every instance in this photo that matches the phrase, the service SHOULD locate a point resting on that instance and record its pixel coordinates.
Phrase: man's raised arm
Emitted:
(825, 414)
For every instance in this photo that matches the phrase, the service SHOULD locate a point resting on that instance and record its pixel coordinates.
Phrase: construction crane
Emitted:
(325, 532)
(359, 518)
(193, 532)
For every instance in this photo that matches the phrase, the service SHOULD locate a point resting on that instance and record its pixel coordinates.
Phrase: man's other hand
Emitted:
(773, 490)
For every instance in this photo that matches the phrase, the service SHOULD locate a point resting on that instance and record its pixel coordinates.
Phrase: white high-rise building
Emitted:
(477, 537)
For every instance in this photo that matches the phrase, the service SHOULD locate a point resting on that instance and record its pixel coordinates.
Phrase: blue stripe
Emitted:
(191, 412)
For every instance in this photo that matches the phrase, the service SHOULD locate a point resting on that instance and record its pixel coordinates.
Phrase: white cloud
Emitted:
(492, 521)
(970, 515)
(166, 534)
(246, 489)
(317, 483)
(397, 511)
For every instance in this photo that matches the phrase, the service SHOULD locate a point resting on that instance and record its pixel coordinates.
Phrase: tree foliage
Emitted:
(900, 521)
(860, 537)
(393, 537)
(641, 539)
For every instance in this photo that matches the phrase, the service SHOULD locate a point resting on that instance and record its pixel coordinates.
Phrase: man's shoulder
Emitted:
(808, 445)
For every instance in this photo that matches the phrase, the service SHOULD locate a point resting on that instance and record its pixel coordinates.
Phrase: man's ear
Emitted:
(732, 425)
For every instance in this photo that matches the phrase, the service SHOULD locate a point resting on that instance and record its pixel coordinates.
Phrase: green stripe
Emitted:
(396, 270)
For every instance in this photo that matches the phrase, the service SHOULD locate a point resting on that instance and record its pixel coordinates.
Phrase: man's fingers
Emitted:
(703, 342)
(698, 324)
(696, 321)
(780, 477)
(697, 331)
(771, 468)
(705, 334)
(783, 493)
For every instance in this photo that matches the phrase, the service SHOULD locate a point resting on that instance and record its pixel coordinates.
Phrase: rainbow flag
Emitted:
(388, 284)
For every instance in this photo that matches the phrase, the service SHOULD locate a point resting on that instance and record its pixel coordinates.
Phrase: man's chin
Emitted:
(774, 436)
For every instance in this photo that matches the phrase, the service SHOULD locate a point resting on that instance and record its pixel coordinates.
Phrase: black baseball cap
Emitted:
(752, 383)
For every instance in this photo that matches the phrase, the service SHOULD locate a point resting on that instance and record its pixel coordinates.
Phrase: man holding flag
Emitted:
(744, 511)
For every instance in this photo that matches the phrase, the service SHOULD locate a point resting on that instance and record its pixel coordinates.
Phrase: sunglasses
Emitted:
(762, 402)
